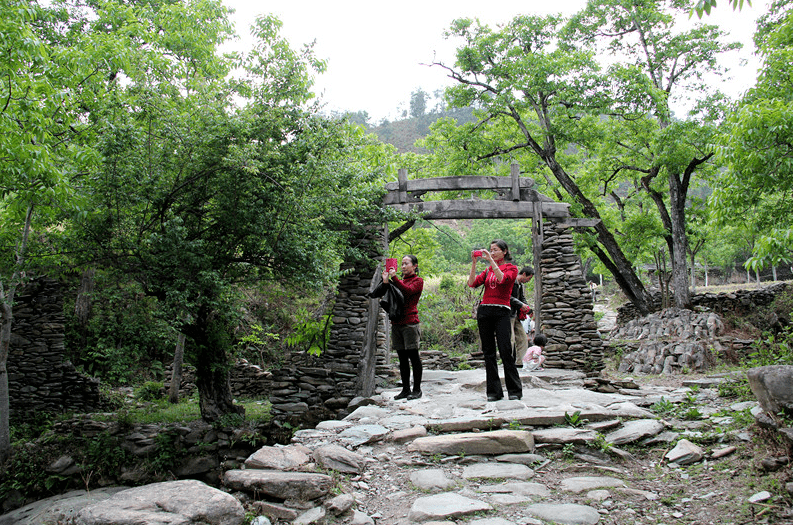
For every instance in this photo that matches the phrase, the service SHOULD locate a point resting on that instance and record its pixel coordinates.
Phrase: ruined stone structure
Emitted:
(39, 376)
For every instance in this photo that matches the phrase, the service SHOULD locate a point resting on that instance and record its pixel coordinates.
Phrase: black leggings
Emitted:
(406, 359)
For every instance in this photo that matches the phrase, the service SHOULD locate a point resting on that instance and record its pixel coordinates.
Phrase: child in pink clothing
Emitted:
(534, 359)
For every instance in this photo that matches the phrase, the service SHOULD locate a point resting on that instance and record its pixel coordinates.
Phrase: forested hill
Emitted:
(404, 133)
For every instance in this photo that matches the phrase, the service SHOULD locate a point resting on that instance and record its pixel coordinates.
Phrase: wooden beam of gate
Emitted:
(510, 188)
(482, 209)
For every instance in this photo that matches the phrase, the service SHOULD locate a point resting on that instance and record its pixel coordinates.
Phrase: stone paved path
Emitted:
(451, 455)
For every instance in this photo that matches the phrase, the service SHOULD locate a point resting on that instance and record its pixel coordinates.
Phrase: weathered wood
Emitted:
(536, 244)
(571, 222)
(402, 195)
(482, 209)
(514, 172)
(463, 182)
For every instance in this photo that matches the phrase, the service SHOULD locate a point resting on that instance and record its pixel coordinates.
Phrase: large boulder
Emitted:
(773, 387)
(185, 502)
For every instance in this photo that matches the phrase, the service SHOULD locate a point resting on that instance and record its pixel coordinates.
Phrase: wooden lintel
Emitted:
(465, 182)
(571, 222)
(483, 209)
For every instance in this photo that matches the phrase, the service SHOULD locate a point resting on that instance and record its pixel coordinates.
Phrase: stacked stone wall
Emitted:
(739, 302)
(568, 319)
(40, 379)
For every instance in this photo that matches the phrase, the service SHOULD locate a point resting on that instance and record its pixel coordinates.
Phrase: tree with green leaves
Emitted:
(601, 135)
(53, 74)
(530, 90)
(758, 148)
(209, 184)
(656, 66)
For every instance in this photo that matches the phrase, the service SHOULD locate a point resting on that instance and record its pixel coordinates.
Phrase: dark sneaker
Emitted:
(515, 396)
(491, 397)
(415, 395)
(402, 395)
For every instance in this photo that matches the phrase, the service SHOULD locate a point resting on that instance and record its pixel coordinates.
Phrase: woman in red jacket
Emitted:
(405, 332)
(493, 318)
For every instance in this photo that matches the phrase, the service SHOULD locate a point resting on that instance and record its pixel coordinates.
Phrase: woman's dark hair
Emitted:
(504, 248)
(415, 261)
(540, 340)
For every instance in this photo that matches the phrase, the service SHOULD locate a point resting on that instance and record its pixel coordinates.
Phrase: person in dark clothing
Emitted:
(520, 311)
(493, 318)
(405, 331)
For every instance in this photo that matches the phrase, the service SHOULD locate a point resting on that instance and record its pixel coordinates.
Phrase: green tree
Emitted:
(209, 184)
(656, 66)
(418, 103)
(758, 151)
(532, 92)
(52, 73)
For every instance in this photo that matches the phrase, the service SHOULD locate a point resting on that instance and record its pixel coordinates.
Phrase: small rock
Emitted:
(760, 497)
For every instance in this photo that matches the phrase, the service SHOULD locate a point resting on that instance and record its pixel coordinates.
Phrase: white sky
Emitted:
(378, 52)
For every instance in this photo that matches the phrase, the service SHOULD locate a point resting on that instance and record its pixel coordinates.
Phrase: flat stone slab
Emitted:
(432, 480)
(279, 458)
(564, 435)
(363, 434)
(586, 483)
(635, 430)
(567, 514)
(445, 506)
(522, 488)
(487, 443)
(497, 471)
(303, 486)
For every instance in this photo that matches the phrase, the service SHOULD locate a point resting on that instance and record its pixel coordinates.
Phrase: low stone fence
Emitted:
(740, 302)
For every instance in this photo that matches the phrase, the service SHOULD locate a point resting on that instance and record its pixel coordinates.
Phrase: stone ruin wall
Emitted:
(40, 378)
(568, 319)
(672, 341)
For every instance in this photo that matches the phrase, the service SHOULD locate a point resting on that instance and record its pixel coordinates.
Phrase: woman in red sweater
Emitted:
(493, 318)
(405, 332)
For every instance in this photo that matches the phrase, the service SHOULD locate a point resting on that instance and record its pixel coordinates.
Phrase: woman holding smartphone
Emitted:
(493, 318)
(405, 332)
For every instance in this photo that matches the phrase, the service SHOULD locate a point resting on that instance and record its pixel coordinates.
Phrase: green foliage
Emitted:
(445, 314)
(309, 333)
(663, 407)
(150, 391)
(601, 444)
(575, 419)
(737, 389)
(772, 349)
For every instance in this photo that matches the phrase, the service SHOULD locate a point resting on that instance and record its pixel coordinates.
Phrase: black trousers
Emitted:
(495, 331)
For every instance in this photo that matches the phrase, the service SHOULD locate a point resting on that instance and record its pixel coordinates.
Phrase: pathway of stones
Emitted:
(453, 456)
(563, 454)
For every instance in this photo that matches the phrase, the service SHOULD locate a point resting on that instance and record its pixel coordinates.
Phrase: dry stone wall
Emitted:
(740, 302)
(568, 319)
(39, 376)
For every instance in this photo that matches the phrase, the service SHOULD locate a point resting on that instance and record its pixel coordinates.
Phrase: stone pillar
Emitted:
(568, 318)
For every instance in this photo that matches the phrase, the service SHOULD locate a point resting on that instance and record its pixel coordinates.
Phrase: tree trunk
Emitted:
(613, 257)
(677, 208)
(5, 339)
(212, 372)
(176, 370)
(82, 305)
(693, 274)
(7, 310)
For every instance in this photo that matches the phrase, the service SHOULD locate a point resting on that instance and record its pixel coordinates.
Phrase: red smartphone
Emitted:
(391, 264)
(477, 253)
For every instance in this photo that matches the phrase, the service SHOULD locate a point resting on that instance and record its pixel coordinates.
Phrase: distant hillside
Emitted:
(404, 133)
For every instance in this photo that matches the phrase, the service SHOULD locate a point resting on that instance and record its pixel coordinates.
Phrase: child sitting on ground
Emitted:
(534, 359)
